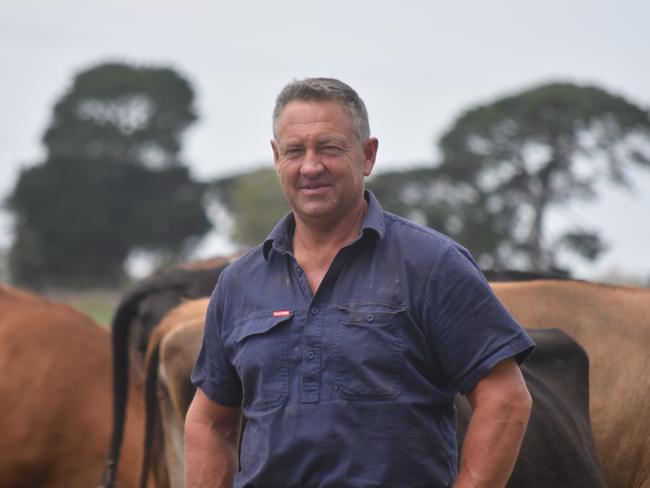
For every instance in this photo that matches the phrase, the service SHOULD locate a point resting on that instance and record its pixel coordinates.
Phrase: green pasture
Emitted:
(99, 304)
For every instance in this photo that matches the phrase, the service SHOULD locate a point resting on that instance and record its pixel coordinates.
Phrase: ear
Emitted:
(370, 154)
(276, 153)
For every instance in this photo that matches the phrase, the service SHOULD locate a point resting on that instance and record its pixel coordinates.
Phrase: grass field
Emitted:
(99, 304)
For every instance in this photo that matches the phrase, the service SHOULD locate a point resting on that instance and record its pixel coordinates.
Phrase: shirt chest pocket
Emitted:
(261, 360)
(369, 350)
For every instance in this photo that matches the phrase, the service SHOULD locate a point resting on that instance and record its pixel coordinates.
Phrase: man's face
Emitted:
(320, 161)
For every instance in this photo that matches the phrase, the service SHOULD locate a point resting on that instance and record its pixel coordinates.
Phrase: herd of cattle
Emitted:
(64, 425)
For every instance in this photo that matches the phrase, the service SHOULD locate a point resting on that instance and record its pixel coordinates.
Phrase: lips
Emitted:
(313, 186)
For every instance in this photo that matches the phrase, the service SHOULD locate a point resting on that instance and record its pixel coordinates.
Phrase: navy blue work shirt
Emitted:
(353, 386)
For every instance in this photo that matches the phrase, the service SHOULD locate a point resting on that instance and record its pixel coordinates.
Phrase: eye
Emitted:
(292, 152)
(331, 149)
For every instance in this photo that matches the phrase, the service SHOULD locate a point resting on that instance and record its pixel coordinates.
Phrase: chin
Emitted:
(315, 211)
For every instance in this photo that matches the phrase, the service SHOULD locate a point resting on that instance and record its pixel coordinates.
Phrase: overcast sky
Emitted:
(416, 64)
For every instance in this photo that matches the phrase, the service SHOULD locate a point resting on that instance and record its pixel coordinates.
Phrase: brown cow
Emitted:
(171, 354)
(55, 397)
(613, 325)
(558, 449)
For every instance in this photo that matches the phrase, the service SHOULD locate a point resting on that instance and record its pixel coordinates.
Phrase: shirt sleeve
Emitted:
(471, 331)
(213, 372)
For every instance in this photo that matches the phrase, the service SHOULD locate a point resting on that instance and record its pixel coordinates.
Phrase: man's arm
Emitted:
(501, 407)
(211, 443)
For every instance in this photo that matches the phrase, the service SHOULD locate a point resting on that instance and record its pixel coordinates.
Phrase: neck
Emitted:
(320, 236)
(316, 246)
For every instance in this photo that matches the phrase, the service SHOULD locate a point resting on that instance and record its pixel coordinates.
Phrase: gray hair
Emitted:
(325, 89)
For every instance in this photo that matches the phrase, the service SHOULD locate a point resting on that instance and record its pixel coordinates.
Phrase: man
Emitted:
(344, 337)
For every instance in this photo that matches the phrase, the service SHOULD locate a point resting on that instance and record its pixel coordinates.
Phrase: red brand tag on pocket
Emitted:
(282, 313)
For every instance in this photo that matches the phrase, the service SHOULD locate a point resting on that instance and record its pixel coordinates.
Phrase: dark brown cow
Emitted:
(55, 397)
(558, 450)
(150, 299)
(613, 325)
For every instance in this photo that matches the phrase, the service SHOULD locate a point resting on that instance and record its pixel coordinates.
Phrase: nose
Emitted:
(311, 165)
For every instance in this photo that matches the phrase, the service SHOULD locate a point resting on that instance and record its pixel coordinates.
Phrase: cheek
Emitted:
(286, 179)
(283, 171)
(283, 180)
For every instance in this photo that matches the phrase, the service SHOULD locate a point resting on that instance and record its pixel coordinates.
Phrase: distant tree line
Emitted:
(113, 181)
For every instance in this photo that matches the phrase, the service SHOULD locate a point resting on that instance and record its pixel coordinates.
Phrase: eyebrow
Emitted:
(291, 145)
(331, 140)
(320, 142)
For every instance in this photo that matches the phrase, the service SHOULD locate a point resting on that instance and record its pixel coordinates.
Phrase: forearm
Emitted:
(492, 443)
(210, 453)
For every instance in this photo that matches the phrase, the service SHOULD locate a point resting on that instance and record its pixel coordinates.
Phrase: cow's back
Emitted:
(612, 324)
(55, 396)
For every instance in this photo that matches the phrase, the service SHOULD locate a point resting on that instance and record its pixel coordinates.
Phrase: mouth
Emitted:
(313, 187)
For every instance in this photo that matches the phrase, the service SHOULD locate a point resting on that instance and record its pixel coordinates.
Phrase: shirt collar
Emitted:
(280, 238)
(373, 222)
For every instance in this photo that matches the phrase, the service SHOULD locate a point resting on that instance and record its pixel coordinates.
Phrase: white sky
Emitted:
(417, 64)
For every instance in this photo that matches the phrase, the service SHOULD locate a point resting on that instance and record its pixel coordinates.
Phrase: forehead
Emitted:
(308, 117)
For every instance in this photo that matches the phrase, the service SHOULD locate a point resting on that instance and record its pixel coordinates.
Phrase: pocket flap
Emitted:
(261, 324)
(370, 312)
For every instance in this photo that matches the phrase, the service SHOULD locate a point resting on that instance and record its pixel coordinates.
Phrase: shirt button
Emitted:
(310, 354)
(314, 310)
(299, 271)
(370, 318)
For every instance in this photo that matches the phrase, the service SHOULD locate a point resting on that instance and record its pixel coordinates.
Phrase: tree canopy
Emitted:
(112, 181)
(506, 163)
(122, 113)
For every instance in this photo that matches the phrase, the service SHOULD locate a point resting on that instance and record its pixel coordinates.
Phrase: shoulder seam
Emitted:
(427, 231)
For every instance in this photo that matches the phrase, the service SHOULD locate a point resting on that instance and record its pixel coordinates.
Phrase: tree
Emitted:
(112, 181)
(255, 201)
(122, 113)
(507, 163)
